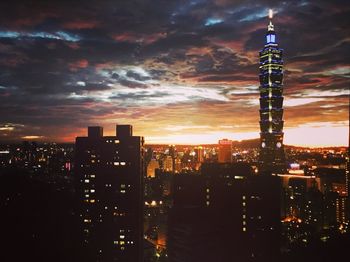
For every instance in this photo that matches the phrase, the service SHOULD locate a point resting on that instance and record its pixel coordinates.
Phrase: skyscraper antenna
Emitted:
(270, 13)
(270, 26)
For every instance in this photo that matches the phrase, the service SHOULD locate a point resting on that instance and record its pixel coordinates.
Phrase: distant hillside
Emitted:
(249, 143)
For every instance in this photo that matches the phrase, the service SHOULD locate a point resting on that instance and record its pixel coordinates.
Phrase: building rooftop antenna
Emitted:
(270, 26)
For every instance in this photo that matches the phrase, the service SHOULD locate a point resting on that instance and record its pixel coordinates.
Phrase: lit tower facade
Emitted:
(272, 158)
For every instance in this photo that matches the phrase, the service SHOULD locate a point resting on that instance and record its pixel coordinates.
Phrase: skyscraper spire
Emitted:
(272, 158)
(270, 13)
(270, 26)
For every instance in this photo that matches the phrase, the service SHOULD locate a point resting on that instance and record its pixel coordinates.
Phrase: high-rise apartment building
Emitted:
(110, 173)
(226, 213)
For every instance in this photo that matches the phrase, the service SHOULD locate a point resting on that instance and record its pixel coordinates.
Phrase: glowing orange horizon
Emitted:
(305, 136)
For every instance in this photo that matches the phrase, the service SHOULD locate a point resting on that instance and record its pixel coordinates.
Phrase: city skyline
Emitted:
(180, 72)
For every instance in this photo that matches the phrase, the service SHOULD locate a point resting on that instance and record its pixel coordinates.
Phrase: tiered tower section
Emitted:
(272, 158)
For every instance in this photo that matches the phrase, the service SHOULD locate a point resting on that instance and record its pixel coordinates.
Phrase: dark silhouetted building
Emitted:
(110, 172)
(272, 157)
(226, 213)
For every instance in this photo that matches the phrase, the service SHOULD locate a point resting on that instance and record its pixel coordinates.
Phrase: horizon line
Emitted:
(175, 144)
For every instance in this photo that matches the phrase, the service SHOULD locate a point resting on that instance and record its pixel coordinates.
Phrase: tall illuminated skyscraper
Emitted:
(272, 158)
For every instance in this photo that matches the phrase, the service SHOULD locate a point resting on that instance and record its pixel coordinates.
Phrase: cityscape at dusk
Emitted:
(174, 131)
(183, 72)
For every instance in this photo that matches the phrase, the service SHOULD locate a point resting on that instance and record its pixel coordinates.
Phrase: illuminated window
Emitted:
(268, 38)
(273, 38)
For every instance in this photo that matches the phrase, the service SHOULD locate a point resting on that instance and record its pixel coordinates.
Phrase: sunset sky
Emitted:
(178, 71)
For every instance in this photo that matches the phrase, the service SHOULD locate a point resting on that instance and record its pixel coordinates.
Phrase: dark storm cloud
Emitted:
(136, 76)
(66, 64)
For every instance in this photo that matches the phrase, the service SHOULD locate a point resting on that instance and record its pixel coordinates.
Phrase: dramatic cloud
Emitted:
(179, 71)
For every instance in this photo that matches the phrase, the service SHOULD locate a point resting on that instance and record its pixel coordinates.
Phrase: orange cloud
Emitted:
(136, 37)
(81, 24)
(79, 64)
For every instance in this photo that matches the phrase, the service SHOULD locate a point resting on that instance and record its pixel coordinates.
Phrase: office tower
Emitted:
(178, 165)
(29, 151)
(173, 154)
(272, 158)
(163, 184)
(224, 214)
(151, 168)
(199, 156)
(110, 173)
(168, 164)
(225, 151)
